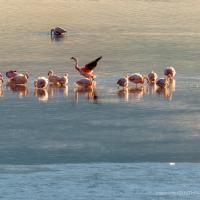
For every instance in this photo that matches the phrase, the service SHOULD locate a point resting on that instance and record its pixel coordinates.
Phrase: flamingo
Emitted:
(19, 79)
(85, 83)
(87, 70)
(41, 82)
(162, 82)
(152, 77)
(57, 31)
(1, 79)
(170, 72)
(137, 78)
(55, 79)
(123, 82)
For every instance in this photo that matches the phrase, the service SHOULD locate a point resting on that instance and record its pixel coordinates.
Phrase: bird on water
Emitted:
(57, 31)
(86, 70)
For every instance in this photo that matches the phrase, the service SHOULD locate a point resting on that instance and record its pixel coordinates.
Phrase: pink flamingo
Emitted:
(17, 78)
(137, 78)
(162, 82)
(57, 31)
(1, 79)
(170, 72)
(55, 79)
(87, 70)
(41, 82)
(123, 82)
(86, 83)
(152, 77)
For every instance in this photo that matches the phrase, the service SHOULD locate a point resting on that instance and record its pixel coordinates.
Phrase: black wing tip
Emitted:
(99, 58)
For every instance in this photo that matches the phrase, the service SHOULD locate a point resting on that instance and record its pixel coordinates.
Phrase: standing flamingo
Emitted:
(123, 82)
(57, 31)
(152, 77)
(18, 79)
(55, 79)
(87, 70)
(137, 78)
(162, 82)
(41, 82)
(170, 72)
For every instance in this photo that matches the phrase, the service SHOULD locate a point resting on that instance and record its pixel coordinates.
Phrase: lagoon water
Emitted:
(106, 143)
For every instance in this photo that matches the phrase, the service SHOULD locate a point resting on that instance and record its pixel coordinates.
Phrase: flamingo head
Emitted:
(11, 73)
(26, 75)
(50, 73)
(74, 58)
(66, 74)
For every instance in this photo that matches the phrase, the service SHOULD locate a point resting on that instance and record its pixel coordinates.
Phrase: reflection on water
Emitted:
(168, 91)
(54, 89)
(21, 90)
(1, 91)
(57, 38)
(88, 93)
(138, 93)
(42, 94)
(130, 94)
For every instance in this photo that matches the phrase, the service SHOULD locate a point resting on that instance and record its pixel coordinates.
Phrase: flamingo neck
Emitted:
(76, 64)
(52, 31)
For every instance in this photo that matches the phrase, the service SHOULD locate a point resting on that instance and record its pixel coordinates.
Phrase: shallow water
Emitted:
(61, 125)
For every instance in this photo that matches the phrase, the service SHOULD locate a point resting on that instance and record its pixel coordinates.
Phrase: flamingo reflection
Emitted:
(42, 94)
(123, 94)
(88, 92)
(167, 92)
(1, 91)
(54, 89)
(137, 93)
(22, 90)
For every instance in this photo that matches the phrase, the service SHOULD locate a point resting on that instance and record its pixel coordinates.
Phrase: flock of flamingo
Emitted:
(16, 78)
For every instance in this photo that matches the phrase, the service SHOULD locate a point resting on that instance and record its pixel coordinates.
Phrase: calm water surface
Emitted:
(46, 131)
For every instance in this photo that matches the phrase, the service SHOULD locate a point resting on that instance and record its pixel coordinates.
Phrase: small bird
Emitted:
(55, 79)
(87, 70)
(57, 31)
(170, 72)
(123, 82)
(86, 83)
(162, 82)
(41, 82)
(19, 79)
(1, 79)
(137, 78)
(152, 77)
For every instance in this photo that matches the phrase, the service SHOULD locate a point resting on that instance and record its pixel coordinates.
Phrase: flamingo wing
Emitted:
(90, 66)
(60, 30)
